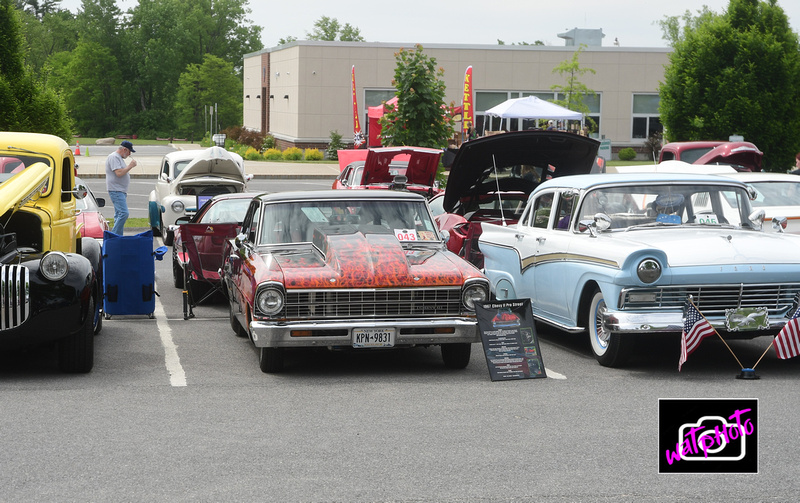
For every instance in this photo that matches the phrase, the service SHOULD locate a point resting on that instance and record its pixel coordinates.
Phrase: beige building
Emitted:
(301, 92)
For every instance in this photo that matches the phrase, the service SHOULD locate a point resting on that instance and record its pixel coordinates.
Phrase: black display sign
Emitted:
(509, 340)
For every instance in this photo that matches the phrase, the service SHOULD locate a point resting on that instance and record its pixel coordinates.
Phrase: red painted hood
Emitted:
(422, 165)
(356, 260)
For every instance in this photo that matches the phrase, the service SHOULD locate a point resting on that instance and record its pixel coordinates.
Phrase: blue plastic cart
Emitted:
(129, 274)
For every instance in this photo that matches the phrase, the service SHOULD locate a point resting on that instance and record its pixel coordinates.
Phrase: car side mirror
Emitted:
(80, 192)
(101, 202)
(779, 223)
(757, 218)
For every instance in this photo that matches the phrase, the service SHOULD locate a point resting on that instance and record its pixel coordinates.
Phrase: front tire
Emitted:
(456, 355)
(270, 360)
(76, 351)
(610, 349)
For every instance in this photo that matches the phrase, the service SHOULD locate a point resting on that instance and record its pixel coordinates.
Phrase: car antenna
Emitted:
(499, 199)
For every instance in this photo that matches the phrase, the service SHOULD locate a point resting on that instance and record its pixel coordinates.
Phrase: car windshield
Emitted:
(179, 165)
(297, 222)
(776, 193)
(10, 165)
(630, 206)
(225, 211)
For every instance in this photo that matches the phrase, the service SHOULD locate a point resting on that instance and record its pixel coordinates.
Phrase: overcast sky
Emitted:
(632, 22)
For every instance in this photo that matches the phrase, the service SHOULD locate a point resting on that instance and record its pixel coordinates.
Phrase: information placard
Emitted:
(509, 340)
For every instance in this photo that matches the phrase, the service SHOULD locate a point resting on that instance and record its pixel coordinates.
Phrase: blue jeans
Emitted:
(120, 200)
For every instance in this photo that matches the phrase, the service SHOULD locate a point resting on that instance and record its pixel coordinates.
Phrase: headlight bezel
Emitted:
(473, 292)
(177, 206)
(649, 270)
(270, 299)
(54, 266)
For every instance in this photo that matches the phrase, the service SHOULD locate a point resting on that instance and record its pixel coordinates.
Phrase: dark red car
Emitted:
(411, 168)
(491, 177)
(741, 155)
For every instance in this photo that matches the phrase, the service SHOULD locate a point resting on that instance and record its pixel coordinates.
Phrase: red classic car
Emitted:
(410, 168)
(491, 177)
(359, 269)
(89, 217)
(741, 155)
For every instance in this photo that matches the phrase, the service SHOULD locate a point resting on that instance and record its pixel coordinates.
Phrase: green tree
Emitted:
(26, 104)
(735, 73)
(94, 102)
(419, 118)
(209, 83)
(573, 91)
(327, 28)
(56, 31)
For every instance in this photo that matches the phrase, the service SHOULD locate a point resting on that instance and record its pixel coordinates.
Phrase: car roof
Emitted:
(763, 176)
(591, 181)
(342, 195)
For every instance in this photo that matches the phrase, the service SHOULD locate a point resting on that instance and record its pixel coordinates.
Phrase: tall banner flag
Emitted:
(466, 102)
(358, 136)
(695, 329)
(787, 343)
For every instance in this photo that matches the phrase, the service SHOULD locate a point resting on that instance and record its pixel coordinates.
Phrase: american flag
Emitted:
(787, 342)
(695, 329)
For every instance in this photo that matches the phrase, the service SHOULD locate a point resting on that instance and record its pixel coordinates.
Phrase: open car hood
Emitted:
(738, 154)
(421, 170)
(474, 163)
(23, 187)
(214, 162)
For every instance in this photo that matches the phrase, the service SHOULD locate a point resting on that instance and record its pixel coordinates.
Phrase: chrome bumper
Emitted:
(278, 334)
(655, 321)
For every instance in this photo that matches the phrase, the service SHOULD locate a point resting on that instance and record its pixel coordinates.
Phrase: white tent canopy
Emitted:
(531, 107)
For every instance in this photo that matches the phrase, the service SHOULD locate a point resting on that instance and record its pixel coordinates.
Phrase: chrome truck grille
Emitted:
(14, 296)
(364, 303)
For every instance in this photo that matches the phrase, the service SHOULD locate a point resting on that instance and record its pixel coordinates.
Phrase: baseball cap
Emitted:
(128, 145)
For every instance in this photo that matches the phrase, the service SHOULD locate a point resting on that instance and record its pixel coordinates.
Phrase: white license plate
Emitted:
(373, 337)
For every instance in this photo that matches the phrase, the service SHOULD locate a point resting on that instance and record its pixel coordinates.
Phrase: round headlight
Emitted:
(270, 301)
(474, 294)
(649, 270)
(54, 266)
(177, 206)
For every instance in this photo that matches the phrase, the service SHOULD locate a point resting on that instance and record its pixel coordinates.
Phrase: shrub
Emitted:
(244, 136)
(293, 154)
(313, 154)
(334, 145)
(627, 154)
(252, 154)
(273, 154)
(269, 142)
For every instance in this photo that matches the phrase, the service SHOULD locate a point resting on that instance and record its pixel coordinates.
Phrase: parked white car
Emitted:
(187, 179)
(778, 194)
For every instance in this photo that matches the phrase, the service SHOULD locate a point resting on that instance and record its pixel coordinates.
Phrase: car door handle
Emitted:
(519, 236)
(541, 240)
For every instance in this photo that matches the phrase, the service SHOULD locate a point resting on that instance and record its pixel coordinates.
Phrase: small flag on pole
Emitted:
(695, 329)
(787, 342)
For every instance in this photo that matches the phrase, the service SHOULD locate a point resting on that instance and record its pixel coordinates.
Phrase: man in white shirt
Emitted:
(117, 181)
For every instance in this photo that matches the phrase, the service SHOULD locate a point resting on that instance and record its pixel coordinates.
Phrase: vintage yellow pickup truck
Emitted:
(50, 276)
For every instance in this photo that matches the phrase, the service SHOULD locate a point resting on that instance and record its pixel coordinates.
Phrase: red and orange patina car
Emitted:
(410, 168)
(356, 269)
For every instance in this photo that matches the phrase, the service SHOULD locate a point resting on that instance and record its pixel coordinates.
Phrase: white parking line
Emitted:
(552, 374)
(177, 377)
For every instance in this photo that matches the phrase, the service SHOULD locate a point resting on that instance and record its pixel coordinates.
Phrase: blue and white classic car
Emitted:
(617, 255)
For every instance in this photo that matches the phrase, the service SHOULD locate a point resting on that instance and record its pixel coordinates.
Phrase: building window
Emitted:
(646, 119)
